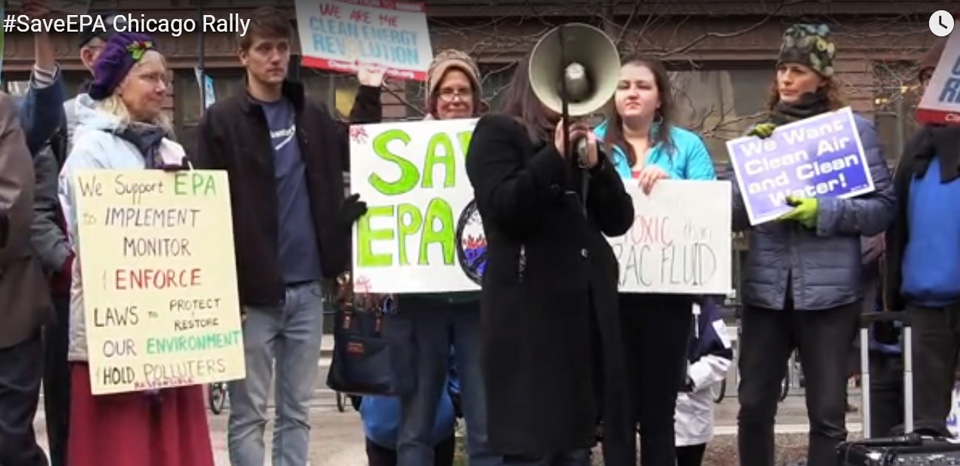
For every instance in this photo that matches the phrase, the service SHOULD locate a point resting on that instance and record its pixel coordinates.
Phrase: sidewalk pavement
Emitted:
(337, 439)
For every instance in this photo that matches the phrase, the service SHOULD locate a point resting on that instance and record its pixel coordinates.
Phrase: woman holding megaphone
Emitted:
(645, 147)
(551, 350)
(802, 283)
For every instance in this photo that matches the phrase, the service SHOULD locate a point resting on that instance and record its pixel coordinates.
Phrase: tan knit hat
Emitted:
(445, 61)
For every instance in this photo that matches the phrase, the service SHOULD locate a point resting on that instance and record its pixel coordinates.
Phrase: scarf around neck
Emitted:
(808, 105)
(147, 139)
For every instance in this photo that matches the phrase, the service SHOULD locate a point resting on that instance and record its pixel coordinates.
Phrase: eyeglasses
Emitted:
(447, 95)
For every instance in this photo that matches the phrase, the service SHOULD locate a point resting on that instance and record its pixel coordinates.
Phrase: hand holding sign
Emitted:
(370, 75)
(762, 130)
(649, 175)
(817, 157)
(804, 211)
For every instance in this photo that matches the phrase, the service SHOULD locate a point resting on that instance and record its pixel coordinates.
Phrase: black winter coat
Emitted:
(551, 351)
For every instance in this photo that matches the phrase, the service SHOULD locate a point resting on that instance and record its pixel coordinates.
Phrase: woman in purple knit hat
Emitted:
(121, 125)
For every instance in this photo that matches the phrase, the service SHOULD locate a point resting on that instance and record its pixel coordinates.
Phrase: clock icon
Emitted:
(941, 23)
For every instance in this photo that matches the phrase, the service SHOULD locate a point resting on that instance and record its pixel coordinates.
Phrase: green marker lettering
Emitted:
(438, 209)
(408, 171)
(366, 236)
(447, 158)
(409, 222)
(464, 138)
(191, 183)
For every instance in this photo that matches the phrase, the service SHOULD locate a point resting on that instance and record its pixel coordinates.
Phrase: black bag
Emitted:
(373, 354)
(913, 448)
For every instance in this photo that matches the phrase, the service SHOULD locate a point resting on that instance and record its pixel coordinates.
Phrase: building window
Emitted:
(895, 101)
(721, 102)
(187, 101)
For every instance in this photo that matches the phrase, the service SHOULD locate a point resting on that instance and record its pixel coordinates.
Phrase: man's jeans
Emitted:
(439, 324)
(291, 335)
(21, 367)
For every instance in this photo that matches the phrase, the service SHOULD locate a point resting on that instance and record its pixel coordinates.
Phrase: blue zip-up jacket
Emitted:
(686, 158)
(381, 415)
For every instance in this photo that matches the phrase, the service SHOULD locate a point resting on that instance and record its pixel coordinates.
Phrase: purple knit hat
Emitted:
(119, 54)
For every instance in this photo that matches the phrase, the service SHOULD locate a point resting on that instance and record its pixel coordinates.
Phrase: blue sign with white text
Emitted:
(820, 156)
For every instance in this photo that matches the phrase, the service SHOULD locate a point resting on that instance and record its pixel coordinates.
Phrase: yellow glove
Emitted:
(804, 211)
(762, 130)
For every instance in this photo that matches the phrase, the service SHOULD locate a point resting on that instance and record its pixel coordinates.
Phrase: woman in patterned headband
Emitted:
(802, 285)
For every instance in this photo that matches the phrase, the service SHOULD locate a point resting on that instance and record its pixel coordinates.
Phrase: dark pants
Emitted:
(21, 367)
(656, 332)
(823, 339)
(886, 393)
(936, 340)
(382, 456)
(574, 458)
(56, 380)
(691, 455)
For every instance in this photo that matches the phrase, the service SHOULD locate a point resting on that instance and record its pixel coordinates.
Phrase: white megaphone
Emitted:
(581, 58)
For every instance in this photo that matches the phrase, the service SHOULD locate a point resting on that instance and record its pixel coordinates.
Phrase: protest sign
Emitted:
(159, 279)
(422, 232)
(820, 156)
(941, 99)
(338, 34)
(680, 241)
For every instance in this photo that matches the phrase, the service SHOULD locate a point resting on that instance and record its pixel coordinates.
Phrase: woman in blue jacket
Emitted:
(802, 280)
(647, 147)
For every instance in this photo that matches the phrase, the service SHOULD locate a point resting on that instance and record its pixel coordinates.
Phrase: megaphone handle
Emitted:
(582, 157)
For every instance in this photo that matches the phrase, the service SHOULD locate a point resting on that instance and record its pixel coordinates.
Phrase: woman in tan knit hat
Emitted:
(445, 320)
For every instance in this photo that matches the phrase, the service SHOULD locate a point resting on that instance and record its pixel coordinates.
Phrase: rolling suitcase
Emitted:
(911, 448)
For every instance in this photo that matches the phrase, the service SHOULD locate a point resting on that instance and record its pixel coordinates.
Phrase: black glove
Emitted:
(351, 209)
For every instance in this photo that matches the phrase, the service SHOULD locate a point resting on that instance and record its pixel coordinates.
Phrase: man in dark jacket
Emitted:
(922, 269)
(285, 156)
(24, 297)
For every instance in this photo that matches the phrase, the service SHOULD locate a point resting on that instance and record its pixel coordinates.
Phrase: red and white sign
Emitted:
(941, 99)
(341, 35)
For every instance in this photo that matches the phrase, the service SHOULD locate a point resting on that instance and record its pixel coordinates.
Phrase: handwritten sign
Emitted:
(678, 250)
(340, 34)
(423, 233)
(941, 99)
(159, 279)
(820, 156)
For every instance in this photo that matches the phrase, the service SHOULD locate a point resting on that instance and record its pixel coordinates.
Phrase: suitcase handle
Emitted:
(869, 318)
(866, 319)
